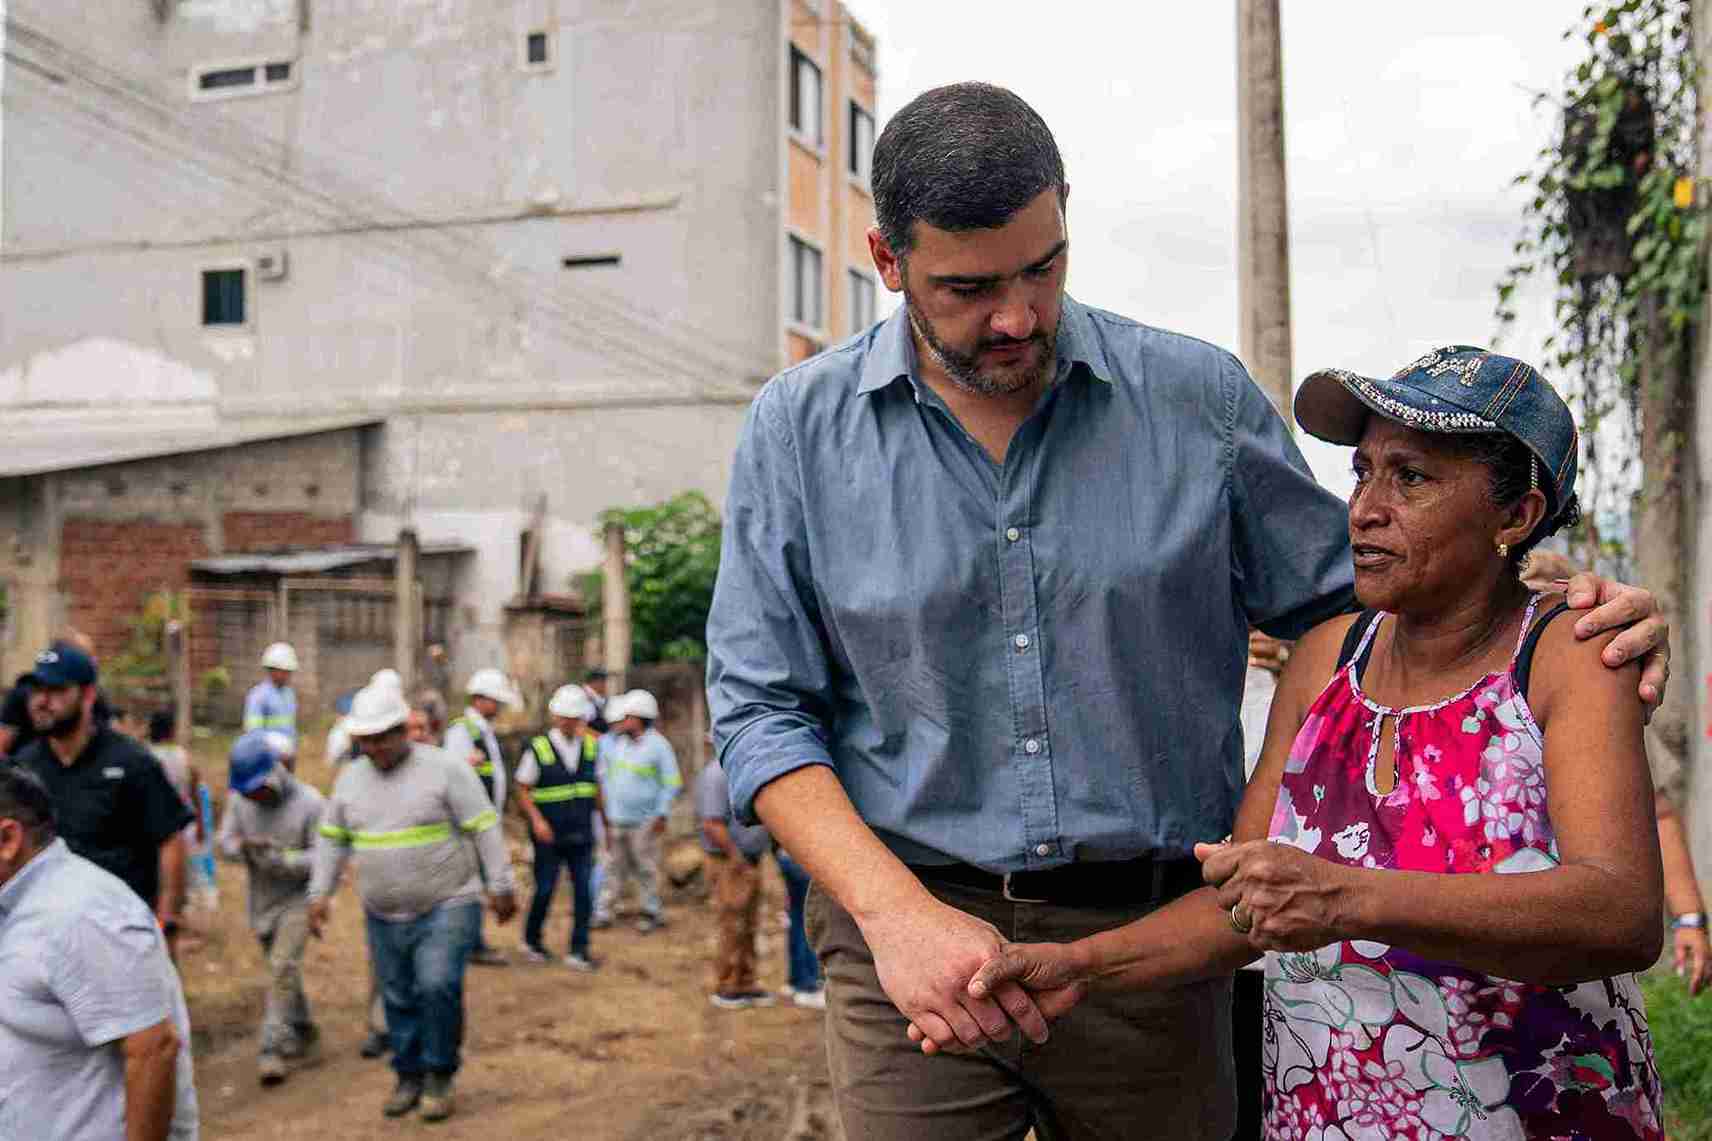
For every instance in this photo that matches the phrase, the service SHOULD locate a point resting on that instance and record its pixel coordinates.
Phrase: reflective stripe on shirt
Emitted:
(480, 822)
(419, 836)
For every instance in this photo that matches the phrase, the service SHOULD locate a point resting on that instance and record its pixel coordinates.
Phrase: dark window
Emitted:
(805, 96)
(278, 72)
(535, 47)
(861, 301)
(222, 297)
(589, 261)
(861, 143)
(227, 77)
(805, 278)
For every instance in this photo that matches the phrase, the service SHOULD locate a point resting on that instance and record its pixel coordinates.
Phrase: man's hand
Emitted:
(1290, 900)
(659, 826)
(477, 758)
(504, 906)
(1267, 653)
(540, 829)
(926, 954)
(1613, 605)
(1693, 957)
(318, 910)
(1051, 973)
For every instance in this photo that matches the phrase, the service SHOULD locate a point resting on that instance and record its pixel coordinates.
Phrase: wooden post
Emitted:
(615, 611)
(1263, 230)
(178, 670)
(406, 627)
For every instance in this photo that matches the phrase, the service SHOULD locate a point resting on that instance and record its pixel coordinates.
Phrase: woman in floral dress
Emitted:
(1448, 849)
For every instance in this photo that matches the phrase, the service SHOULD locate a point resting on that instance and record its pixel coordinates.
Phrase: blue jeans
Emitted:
(805, 966)
(421, 965)
(579, 858)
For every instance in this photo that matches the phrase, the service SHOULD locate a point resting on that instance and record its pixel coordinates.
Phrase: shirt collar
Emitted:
(474, 715)
(12, 893)
(891, 354)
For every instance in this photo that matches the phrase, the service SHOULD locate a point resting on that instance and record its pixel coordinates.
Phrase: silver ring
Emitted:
(1242, 925)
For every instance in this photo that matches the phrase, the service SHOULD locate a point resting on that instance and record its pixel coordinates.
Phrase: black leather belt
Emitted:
(1114, 883)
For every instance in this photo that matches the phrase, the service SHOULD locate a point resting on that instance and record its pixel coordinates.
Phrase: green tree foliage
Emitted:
(671, 560)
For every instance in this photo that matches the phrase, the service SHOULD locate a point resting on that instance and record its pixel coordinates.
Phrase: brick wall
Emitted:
(107, 568)
(247, 531)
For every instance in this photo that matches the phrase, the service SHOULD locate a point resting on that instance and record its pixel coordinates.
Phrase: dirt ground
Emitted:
(633, 1051)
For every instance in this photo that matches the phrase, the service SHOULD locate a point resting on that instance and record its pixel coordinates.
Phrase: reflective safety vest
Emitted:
(478, 738)
(565, 795)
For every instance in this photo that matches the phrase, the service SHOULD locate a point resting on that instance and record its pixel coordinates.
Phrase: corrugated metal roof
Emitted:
(37, 451)
(317, 561)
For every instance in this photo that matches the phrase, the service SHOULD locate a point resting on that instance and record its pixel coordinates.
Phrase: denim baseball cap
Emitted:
(1458, 389)
(61, 664)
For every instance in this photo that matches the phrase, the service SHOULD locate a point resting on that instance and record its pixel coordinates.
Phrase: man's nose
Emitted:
(1015, 317)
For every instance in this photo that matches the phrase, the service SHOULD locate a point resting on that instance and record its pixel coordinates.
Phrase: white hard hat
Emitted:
(639, 703)
(375, 709)
(571, 701)
(389, 679)
(491, 683)
(280, 656)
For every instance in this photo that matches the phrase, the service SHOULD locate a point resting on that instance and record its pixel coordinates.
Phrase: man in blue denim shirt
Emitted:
(976, 650)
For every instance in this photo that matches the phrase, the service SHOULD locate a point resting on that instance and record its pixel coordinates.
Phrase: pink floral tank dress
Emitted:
(1363, 1040)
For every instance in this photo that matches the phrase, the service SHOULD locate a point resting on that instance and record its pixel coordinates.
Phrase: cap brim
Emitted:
(1334, 404)
(244, 788)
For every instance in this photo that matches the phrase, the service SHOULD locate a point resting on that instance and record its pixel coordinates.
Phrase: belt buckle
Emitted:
(1017, 898)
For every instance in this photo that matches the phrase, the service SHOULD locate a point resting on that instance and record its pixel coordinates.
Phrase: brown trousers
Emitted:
(737, 900)
(1143, 1064)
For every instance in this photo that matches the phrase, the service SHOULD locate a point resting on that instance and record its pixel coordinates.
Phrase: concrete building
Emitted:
(551, 248)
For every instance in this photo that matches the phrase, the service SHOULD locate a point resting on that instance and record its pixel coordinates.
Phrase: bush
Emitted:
(1682, 1041)
(672, 558)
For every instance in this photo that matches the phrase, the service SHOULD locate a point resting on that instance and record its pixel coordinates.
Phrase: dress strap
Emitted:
(1524, 666)
(1358, 653)
(1527, 628)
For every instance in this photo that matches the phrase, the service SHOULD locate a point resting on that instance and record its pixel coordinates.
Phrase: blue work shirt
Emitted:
(273, 708)
(638, 778)
(1019, 664)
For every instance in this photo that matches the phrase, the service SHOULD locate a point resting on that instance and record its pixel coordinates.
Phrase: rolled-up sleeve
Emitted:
(1290, 548)
(767, 667)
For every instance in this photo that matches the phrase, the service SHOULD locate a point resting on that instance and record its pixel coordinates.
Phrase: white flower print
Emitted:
(1352, 841)
(1459, 1098)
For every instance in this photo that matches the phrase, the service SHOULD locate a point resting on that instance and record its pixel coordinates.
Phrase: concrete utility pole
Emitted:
(615, 611)
(1263, 232)
(406, 631)
(1694, 633)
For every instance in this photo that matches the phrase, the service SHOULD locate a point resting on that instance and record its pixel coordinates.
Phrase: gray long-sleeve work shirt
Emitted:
(1015, 664)
(277, 843)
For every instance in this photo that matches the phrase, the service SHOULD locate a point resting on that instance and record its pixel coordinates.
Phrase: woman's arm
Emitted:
(1595, 914)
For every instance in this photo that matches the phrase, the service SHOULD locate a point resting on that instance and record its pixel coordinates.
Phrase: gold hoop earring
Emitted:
(1503, 550)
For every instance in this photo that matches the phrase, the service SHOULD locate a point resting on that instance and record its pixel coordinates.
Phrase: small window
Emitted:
(590, 261)
(226, 77)
(861, 301)
(805, 97)
(222, 297)
(861, 143)
(805, 284)
(278, 72)
(535, 48)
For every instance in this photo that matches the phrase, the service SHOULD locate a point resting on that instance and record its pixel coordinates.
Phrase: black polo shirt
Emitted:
(114, 805)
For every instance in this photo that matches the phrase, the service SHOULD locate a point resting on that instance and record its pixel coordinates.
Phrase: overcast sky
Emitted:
(1404, 124)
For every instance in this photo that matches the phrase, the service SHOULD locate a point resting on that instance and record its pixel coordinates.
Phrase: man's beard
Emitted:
(59, 729)
(964, 369)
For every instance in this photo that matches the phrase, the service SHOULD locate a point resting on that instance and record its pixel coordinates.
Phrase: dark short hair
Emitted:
(966, 156)
(161, 724)
(24, 798)
(1510, 467)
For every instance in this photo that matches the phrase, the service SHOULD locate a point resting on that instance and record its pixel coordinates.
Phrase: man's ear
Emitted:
(888, 264)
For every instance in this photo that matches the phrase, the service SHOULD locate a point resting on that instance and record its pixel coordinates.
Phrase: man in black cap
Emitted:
(115, 807)
(16, 732)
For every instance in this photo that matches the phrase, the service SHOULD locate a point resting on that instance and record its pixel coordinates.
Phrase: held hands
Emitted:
(1049, 973)
(1280, 897)
(926, 954)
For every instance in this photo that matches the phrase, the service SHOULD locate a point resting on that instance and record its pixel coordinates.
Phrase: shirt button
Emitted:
(1031, 746)
(1013, 534)
(1043, 849)
(1021, 641)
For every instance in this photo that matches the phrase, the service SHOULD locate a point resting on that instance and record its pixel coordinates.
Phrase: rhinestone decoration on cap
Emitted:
(1370, 394)
(1440, 361)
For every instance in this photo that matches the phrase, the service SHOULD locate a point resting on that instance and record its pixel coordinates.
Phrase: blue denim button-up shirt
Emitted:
(1014, 665)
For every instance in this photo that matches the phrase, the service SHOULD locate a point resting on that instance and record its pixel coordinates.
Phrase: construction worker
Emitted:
(271, 704)
(639, 781)
(270, 825)
(425, 840)
(470, 737)
(559, 791)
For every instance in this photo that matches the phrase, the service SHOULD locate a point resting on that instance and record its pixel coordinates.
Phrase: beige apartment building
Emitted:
(545, 251)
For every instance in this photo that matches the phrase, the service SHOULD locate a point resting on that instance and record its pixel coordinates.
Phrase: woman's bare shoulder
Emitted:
(1564, 664)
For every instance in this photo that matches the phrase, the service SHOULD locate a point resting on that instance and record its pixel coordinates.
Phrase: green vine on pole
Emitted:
(1617, 223)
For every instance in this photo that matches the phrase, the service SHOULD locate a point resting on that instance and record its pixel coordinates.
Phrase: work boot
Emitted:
(302, 1043)
(404, 1096)
(375, 1045)
(270, 1069)
(437, 1098)
(489, 957)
